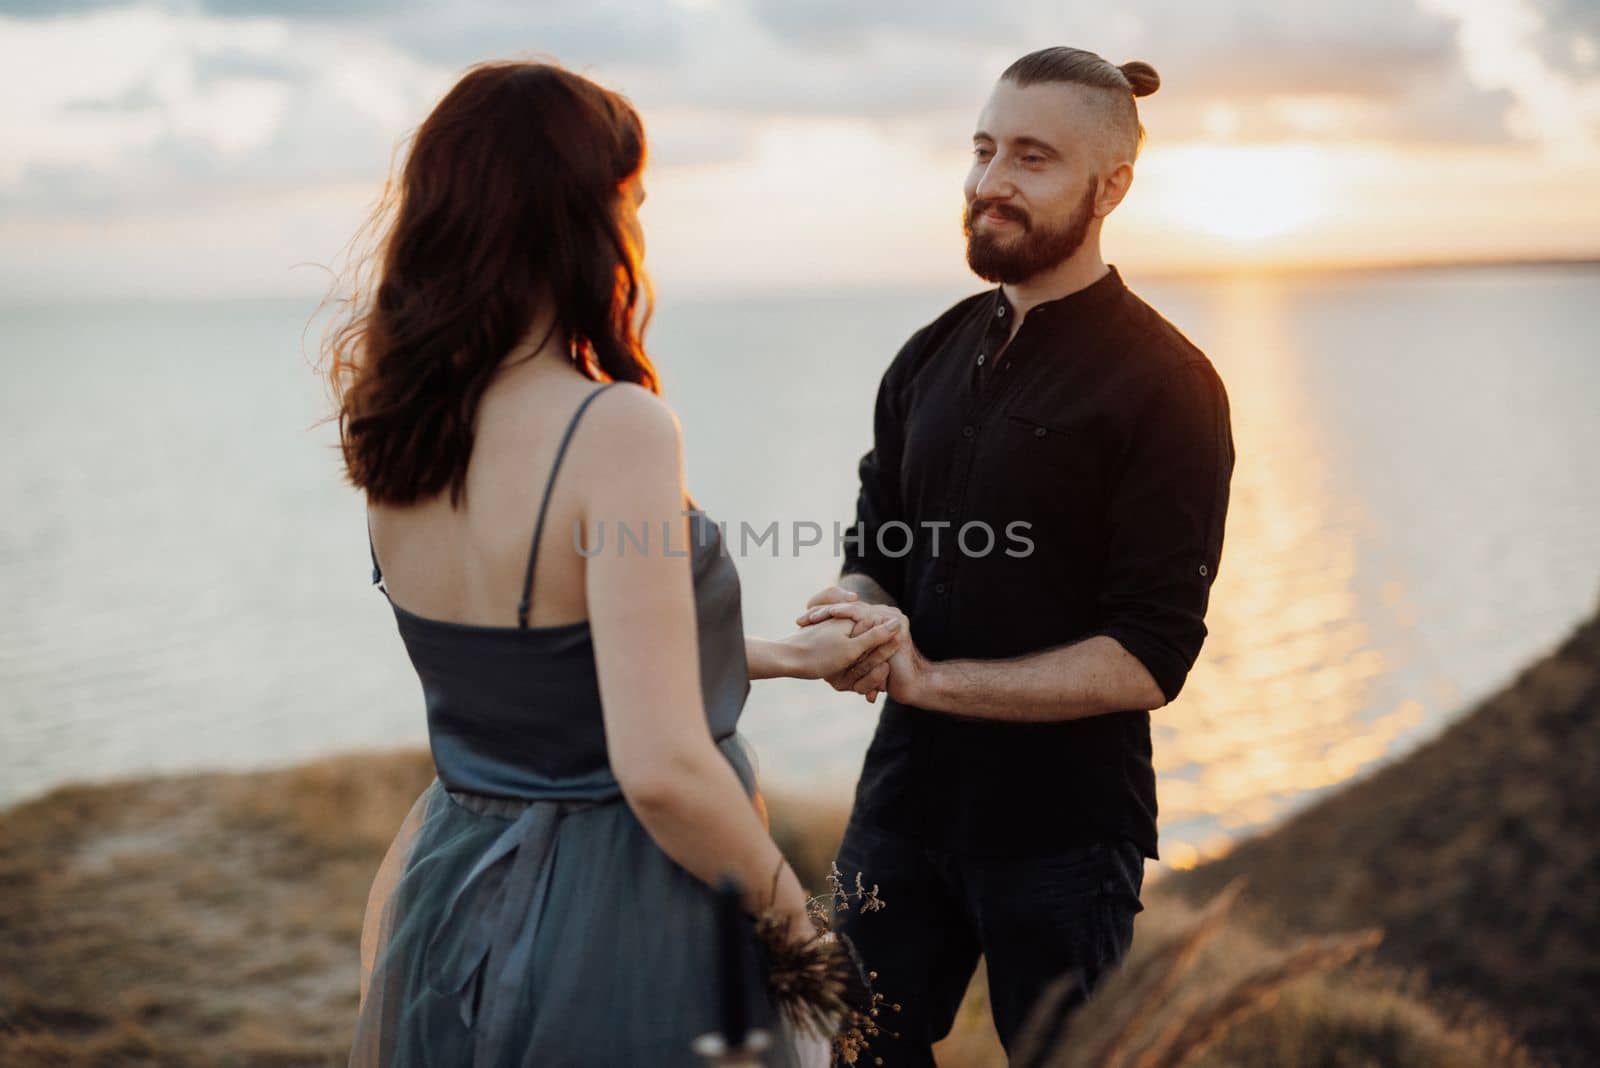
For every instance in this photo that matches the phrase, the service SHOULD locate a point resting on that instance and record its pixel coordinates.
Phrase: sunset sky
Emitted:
(225, 147)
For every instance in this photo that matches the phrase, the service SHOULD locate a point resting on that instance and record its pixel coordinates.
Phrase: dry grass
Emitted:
(1476, 854)
(205, 920)
(809, 833)
(1207, 990)
(1289, 1009)
(213, 920)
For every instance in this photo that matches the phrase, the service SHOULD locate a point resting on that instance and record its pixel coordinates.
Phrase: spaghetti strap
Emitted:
(544, 504)
(377, 572)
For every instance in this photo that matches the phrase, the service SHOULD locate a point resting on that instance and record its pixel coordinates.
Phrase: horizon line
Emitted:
(701, 292)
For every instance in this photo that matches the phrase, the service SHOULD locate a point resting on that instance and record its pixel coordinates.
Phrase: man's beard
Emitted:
(997, 259)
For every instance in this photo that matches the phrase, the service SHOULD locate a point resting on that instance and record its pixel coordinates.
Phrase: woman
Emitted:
(548, 899)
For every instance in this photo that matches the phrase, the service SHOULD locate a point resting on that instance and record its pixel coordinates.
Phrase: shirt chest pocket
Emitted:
(1056, 463)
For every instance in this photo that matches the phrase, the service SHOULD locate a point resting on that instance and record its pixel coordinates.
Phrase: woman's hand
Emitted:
(826, 648)
(869, 676)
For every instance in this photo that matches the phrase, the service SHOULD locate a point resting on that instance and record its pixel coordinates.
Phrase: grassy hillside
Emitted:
(213, 919)
(1477, 855)
(203, 920)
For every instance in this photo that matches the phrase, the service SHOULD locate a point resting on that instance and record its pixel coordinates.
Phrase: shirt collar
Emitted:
(1094, 297)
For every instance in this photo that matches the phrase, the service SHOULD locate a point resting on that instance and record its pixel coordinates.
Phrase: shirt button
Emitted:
(1038, 431)
(980, 359)
(1202, 569)
(938, 587)
(1000, 312)
(967, 431)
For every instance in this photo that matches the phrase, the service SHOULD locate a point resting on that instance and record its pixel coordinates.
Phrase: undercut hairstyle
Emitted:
(1124, 133)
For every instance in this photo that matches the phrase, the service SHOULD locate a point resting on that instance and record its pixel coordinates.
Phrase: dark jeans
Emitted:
(1033, 918)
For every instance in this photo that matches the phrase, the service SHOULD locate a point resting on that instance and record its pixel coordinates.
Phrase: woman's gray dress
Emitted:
(523, 916)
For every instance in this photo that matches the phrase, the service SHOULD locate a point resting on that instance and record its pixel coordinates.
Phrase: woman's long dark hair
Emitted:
(507, 206)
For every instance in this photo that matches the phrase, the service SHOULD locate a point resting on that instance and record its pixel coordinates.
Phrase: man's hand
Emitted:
(863, 677)
(908, 674)
(832, 647)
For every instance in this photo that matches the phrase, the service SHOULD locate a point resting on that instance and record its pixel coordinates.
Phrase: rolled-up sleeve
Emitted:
(879, 500)
(1168, 506)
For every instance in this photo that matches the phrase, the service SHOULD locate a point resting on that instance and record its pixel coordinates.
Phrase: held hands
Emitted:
(836, 646)
(899, 673)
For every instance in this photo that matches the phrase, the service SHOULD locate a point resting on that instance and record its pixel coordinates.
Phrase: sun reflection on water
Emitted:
(1290, 664)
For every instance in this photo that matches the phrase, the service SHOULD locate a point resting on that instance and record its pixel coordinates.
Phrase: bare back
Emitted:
(468, 565)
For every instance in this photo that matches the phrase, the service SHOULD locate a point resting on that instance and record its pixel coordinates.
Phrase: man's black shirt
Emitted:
(1102, 436)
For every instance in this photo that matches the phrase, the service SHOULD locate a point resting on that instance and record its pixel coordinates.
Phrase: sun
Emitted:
(1245, 193)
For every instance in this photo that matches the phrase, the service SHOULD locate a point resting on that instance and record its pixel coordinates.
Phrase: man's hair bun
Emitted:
(1141, 76)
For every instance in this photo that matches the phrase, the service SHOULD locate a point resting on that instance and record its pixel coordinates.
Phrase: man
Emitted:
(1007, 801)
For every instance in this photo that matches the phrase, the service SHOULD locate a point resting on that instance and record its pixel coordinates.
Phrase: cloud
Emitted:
(1229, 46)
(897, 58)
(1505, 45)
(846, 26)
(604, 33)
(111, 107)
(139, 98)
(452, 35)
(49, 9)
(156, 110)
(1568, 36)
(1282, 70)
(56, 9)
